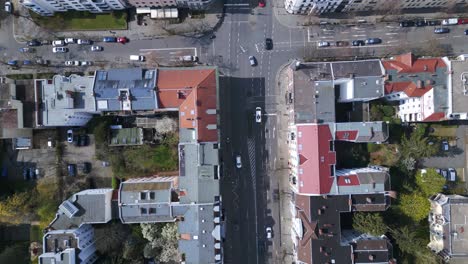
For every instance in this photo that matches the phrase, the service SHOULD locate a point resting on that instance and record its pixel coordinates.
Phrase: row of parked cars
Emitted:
(78, 63)
(83, 167)
(30, 173)
(369, 41)
(59, 45)
(438, 30)
(77, 140)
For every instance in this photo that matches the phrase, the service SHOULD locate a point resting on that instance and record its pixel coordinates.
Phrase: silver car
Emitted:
(238, 162)
(59, 50)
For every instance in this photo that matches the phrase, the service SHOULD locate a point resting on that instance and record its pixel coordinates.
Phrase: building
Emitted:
(447, 221)
(315, 91)
(318, 235)
(125, 90)
(344, 6)
(192, 197)
(191, 4)
(458, 88)
(49, 7)
(64, 101)
(12, 117)
(420, 86)
(69, 246)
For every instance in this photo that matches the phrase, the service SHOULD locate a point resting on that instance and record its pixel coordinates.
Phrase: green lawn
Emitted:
(74, 20)
(444, 131)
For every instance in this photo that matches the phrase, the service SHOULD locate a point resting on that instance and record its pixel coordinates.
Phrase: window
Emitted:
(152, 195)
(142, 195)
(332, 170)
(143, 211)
(152, 210)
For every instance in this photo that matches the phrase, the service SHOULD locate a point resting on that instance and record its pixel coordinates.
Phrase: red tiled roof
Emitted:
(346, 135)
(193, 91)
(353, 180)
(408, 63)
(438, 116)
(409, 88)
(314, 147)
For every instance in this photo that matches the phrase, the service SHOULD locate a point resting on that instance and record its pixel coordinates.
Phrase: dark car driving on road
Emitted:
(268, 44)
(407, 23)
(358, 43)
(441, 30)
(373, 41)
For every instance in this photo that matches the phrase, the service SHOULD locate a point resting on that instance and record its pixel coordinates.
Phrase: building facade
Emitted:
(329, 6)
(49, 7)
(191, 4)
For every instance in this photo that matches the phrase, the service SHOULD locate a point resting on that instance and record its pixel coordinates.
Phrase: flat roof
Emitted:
(460, 85)
(126, 136)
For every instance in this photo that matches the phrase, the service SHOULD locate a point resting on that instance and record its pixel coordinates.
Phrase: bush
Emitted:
(115, 183)
(372, 147)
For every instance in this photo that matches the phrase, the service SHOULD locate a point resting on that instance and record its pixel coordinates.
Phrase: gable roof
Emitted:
(315, 175)
(409, 88)
(408, 63)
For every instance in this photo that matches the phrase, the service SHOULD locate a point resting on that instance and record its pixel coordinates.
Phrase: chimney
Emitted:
(420, 84)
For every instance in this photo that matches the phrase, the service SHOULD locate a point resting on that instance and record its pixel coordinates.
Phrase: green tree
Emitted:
(415, 205)
(15, 207)
(406, 239)
(17, 253)
(430, 182)
(163, 241)
(370, 223)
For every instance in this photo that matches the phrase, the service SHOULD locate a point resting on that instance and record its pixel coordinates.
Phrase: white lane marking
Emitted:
(256, 47)
(458, 36)
(228, 5)
(271, 114)
(392, 41)
(359, 35)
(326, 37)
(391, 34)
(195, 49)
(391, 27)
(290, 39)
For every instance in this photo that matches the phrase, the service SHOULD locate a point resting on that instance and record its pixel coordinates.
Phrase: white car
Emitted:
(70, 136)
(59, 50)
(58, 43)
(8, 7)
(84, 42)
(252, 61)
(86, 63)
(268, 233)
(452, 174)
(96, 48)
(323, 44)
(70, 40)
(258, 114)
(238, 162)
(72, 63)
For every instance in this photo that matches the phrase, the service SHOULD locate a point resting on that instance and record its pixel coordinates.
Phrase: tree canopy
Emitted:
(430, 182)
(415, 205)
(163, 241)
(370, 223)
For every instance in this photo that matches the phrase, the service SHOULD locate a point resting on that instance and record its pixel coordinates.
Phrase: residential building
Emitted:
(69, 246)
(447, 222)
(315, 92)
(125, 90)
(343, 6)
(318, 235)
(420, 85)
(12, 117)
(458, 88)
(64, 101)
(191, 4)
(49, 7)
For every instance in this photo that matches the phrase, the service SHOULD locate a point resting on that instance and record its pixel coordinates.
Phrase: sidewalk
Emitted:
(282, 171)
(301, 21)
(25, 29)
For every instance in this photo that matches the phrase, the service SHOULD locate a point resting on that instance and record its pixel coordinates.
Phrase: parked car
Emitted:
(4, 172)
(33, 42)
(12, 62)
(341, 43)
(268, 44)
(32, 173)
(268, 233)
(8, 7)
(72, 63)
(452, 174)
(462, 21)
(238, 162)
(71, 170)
(322, 44)
(445, 145)
(466, 31)
(421, 23)
(69, 136)
(84, 140)
(441, 30)
(407, 23)
(59, 50)
(45, 42)
(42, 62)
(109, 39)
(26, 50)
(188, 58)
(373, 41)
(258, 114)
(96, 48)
(358, 43)
(252, 61)
(27, 62)
(450, 21)
(261, 3)
(84, 42)
(433, 23)
(137, 58)
(58, 43)
(442, 172)
(122, 40)
(70, 40)
(25, 174)
(86, 63)
(84, 167)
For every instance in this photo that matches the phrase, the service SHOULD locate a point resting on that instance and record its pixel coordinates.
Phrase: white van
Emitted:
(137, 58)
(188, 58)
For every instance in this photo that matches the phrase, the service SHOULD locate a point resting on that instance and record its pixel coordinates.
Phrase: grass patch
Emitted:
(444, 131)
(74, 20)
(20, 76)
(45, 75)
(35, 234)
